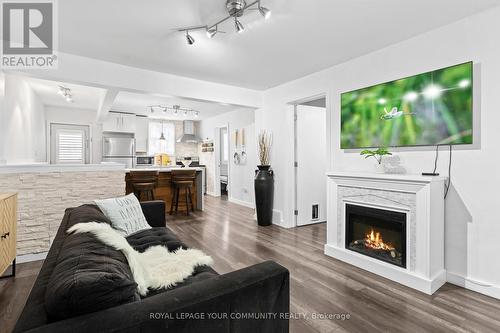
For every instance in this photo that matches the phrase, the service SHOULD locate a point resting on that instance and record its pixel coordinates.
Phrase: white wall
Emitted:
(240, 175)
(23, 121)
(74, 116)
(472, 226)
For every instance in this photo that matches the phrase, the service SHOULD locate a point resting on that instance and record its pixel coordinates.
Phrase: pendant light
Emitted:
(162, 137)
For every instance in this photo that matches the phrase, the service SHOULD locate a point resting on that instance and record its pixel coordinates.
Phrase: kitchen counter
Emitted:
(164, 169)
(46, 168)
(164, 189)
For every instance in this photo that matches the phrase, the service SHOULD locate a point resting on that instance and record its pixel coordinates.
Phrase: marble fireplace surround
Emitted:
(419, 197)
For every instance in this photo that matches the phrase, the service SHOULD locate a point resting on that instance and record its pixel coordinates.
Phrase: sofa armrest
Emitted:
(154, 211)
(252, 299)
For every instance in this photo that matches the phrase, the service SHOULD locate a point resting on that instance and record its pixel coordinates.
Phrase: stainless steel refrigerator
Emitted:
(119, 149)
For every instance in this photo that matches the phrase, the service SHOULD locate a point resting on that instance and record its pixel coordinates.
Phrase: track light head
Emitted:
(190, 40)
(211, 32)
(239, 27)
(266, 13)
(196, 114)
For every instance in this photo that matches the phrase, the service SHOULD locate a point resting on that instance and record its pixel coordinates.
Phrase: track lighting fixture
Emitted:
(176, 109)
(239, 27)
(211, 32)
(190, 40)
(66, 94)
(266, 13)
(235, 9)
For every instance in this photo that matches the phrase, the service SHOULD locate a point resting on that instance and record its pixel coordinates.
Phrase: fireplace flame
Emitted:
(374, 240)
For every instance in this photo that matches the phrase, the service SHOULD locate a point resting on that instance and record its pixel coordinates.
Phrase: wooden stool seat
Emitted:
(182, 180)
(144, 184)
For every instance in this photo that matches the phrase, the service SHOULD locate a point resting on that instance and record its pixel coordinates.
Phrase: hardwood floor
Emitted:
(320, 285)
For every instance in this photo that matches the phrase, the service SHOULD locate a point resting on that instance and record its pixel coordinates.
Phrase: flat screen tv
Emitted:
(428, 109)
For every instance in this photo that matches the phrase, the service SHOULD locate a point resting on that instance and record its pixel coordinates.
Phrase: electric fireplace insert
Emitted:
(377, 233)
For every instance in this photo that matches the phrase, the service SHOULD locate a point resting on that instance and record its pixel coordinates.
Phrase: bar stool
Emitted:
(182, 180)
(143, 184)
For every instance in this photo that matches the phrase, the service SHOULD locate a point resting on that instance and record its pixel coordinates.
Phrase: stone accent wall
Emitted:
(43, 197)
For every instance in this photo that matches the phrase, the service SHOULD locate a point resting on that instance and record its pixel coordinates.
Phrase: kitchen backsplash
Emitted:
(185, 149)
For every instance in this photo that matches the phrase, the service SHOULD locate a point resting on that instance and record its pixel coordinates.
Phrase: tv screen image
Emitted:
(433, 108)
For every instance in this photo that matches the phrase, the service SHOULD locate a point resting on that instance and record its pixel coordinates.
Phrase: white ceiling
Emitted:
(84, 97)
(300, 38)
(138, 103)
(87, 97)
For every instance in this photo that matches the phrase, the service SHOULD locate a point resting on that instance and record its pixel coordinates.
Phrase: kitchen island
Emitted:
(164, 189)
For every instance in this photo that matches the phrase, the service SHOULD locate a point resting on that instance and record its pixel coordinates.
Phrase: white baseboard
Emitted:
(391, 272)
(31, 257)
(474, 285)
(212, 194)
(241, 202)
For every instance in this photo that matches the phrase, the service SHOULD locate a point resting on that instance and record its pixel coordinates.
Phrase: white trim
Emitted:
(31, 257)
(90, 139)
(391, 272)
(474, 285)
(212, 194)
(241, 202)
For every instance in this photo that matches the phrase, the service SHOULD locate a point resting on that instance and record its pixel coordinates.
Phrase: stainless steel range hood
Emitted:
(188, 136)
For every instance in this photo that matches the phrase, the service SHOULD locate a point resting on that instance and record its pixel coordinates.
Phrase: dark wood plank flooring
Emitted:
(320, 285)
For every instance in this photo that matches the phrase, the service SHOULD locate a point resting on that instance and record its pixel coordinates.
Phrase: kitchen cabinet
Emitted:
(141, 134)
(119, 122)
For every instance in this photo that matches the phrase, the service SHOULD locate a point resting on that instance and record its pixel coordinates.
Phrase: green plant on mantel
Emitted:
(376, 154)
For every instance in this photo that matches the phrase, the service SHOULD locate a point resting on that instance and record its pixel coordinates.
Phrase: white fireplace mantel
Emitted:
(420, 197)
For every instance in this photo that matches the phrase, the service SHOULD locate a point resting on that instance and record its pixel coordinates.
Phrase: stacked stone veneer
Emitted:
(43, 197)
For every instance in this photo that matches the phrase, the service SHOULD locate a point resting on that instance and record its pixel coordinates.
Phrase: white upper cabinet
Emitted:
(141, 134)
(120, 122)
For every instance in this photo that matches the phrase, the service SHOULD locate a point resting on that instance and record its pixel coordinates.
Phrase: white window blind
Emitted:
(70, 146)
(157, 146)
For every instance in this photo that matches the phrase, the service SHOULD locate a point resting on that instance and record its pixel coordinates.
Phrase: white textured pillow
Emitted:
(125, 214)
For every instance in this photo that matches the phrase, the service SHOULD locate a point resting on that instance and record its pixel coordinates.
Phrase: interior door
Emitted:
(69, 144)
(311, 164)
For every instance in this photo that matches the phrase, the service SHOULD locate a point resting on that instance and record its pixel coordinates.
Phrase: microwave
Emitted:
(145, 160)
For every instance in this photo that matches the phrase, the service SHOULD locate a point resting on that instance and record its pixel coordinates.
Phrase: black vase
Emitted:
(264, 194)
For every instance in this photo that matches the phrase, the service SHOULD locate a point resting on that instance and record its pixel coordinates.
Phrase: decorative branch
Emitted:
(265, 141)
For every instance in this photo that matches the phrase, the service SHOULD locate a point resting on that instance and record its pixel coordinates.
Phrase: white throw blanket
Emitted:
(156, 267)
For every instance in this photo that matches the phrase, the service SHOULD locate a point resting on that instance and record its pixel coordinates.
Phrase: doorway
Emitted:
(69, 144)
(310, 150)
(222, 151)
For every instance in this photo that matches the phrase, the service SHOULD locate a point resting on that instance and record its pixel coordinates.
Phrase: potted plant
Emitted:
(264, 181)
(377, 155)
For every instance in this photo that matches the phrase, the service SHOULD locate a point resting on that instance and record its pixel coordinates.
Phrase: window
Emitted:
(69, 144)
(156, 146)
